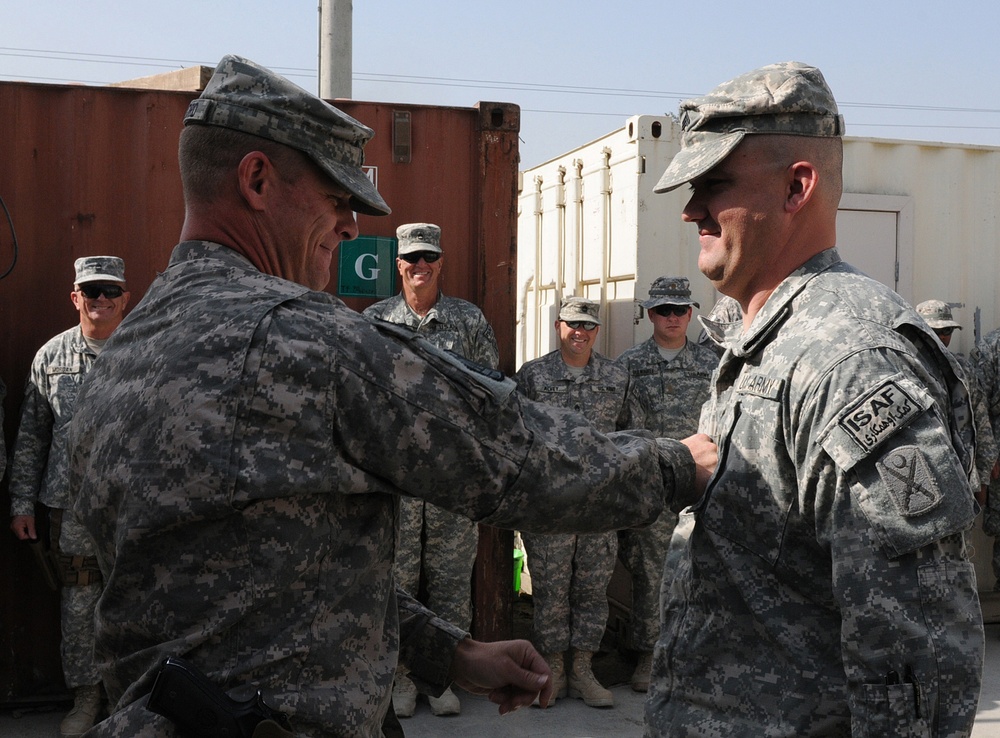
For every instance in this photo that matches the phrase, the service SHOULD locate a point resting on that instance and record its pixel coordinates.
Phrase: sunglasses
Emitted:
(580, 325)
(944, 331)
(665, 310)
(428, 256)
(93, 291)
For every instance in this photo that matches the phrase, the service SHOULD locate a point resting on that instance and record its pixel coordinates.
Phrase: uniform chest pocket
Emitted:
(64, 383)
(750, 498)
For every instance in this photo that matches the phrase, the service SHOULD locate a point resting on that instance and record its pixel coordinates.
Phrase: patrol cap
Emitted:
(244, 96)
(579, 308)
(785, 98)
(99, 269)
(937, 314)
(669, 291)
(418, 237)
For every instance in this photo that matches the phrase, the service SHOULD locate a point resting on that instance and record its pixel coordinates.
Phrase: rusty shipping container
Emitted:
(93, 170)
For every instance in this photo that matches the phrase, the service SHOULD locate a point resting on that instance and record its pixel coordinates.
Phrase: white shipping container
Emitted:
(920, 217)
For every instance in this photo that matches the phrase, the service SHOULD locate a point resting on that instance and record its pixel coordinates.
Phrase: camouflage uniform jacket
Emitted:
(39, 468)
(601, 394)
(985, 359)
(239, 465)
(821, 586)
(670, 393)
(452, 324)
(986, 447)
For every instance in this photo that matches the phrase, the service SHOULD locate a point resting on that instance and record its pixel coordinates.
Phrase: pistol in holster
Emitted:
(70, 570)
(200, 709)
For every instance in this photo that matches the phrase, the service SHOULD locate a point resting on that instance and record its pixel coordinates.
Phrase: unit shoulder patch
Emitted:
(905, 473)
(878, 414)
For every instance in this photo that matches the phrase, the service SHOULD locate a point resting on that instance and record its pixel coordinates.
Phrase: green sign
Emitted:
(367, 267)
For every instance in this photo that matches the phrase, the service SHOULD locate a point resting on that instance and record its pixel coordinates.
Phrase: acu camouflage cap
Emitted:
(937, 314)
(418, 237)
(669, 291)
(244, 96)
(785, 98)
(579, 308)
(99, 269)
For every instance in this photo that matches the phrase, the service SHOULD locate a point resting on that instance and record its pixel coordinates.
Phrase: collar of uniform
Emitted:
(777, 308)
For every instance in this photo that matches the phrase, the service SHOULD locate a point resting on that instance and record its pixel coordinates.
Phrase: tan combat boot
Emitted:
(446, 704)
(86, 705)
(404, 696)
(640, 677)
(584, 685)
(558, 668)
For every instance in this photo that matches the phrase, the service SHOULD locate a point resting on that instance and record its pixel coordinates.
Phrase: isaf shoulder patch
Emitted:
(905, 473)
(878, 414)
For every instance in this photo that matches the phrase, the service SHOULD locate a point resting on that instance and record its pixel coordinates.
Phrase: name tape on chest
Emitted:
(878, 414)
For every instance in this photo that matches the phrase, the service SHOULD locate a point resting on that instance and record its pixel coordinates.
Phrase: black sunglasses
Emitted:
(429, 256)
(944, 331)
(93, 291)
(580, 325)
(665, 310)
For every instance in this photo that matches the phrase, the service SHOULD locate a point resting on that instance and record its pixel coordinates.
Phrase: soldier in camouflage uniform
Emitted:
(938, 316)
(570, 573)
(670, 378)
(240, 462)
(439, 543)
(985, 358)
(40, 470)
(821, 586)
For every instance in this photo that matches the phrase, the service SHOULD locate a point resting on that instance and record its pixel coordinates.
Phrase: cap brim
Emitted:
(657, 301)
(418, 246)
(101, 278)
(700, 152)
(364, 197)
(582, 319)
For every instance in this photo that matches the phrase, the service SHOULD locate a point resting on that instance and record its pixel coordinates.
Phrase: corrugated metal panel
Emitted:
(87, 170)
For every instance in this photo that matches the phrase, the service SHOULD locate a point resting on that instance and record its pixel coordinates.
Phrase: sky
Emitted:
(915, 70)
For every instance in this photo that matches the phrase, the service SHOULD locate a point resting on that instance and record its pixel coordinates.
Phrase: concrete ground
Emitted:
(568, 718)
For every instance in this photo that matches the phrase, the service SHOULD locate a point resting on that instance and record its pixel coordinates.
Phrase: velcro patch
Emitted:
(878, 414)
(905, 473)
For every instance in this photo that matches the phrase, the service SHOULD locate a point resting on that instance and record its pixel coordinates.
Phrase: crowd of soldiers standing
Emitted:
(658, 385)
(215, 302)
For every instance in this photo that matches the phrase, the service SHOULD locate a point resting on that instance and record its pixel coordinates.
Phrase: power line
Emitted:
(457, 82)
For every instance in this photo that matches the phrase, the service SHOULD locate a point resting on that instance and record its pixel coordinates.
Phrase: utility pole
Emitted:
(335, 48)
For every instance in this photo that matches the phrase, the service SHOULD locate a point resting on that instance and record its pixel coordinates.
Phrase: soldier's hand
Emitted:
(24, 527)
(706, 457)
(512, 673)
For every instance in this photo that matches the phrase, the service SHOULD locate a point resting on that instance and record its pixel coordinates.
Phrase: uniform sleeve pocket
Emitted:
(890, 711)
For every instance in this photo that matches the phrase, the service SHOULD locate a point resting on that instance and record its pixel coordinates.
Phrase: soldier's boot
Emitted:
(404, 696)
(446, 704)
(86, 705)
(558, 668)
(640, 677)
(584, 685)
